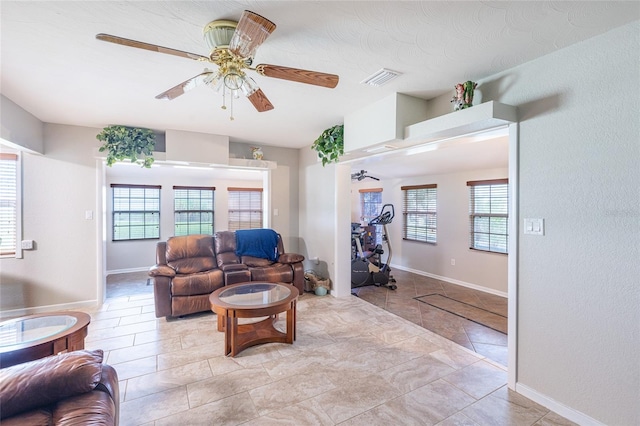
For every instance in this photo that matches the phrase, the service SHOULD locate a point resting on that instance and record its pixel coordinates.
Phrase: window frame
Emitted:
(430, 215)
(115, 212)
(200, 211)
(502, 194)
(235, 224)
(16, 233)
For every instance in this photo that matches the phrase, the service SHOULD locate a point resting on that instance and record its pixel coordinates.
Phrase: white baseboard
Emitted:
(452, 281)
(126, 271)
(48, 308)
(557, 407)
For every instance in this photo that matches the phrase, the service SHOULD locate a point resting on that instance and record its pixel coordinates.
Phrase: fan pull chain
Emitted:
(231, 105)
(224, 98)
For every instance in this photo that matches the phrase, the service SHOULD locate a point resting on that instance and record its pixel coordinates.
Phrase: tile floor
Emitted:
(352, 364)
(472, 335)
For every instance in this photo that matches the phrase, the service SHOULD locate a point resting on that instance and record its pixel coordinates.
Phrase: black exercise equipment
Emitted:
(367, 267)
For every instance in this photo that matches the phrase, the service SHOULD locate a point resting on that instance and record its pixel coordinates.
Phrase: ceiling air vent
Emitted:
(380, 77)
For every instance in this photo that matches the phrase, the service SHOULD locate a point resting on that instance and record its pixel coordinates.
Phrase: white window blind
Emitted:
(245, 208)
(8, 203)
(193, 210)
(488, 215)
(136, 212)
(420, 204)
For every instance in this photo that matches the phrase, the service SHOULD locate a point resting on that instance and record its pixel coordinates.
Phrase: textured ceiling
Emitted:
(53, 66)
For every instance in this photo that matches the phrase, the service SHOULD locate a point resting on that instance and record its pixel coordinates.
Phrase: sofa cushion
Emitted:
(276, 273)
(198, 283)
(251, 261)
(38, 383)
(190, 253)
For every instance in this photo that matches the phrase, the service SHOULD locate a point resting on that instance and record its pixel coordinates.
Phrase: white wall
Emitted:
(579, 293)
(477, 269)
(139, 255)
(58, 188)
(20, 127)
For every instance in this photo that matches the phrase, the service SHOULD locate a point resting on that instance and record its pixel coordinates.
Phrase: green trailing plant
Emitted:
(128, 143)
(330, 144)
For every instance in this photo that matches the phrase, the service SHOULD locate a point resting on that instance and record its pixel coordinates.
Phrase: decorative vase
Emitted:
(464, 95)
(256, 151)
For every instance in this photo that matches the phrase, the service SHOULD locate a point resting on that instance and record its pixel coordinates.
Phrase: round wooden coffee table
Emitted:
(37, 336)
(254, 300)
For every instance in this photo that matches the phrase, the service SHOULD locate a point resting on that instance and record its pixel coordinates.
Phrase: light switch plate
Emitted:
(534, 226)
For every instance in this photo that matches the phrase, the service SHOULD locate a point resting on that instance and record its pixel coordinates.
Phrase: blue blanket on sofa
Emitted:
(262, 243)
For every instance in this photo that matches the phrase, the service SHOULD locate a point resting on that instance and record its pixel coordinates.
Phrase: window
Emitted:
(488, 215)
(8, 203)
(245, 208)
(370, 203)
(136, 212)
(419, 213)
(193, 210)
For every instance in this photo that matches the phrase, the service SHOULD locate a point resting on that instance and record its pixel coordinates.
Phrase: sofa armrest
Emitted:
(290, 258)
(162, 270)
(162, 296)
(109, 384)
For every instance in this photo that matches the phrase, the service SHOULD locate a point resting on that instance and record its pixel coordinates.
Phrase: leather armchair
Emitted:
(185, 274)
(70, 388)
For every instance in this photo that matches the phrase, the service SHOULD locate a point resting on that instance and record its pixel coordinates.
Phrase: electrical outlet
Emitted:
(27, 244)
(453, 262)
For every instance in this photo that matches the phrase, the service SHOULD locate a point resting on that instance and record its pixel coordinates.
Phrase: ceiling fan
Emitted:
(233, 46)
(362, 175)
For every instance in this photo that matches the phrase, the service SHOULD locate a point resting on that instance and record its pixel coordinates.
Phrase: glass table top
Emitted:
(254, 294)
(20, 331)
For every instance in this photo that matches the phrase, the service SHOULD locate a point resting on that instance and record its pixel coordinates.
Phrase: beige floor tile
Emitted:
(306, 413)
(288, 391)
(507, 408)
(144, 350)
(230, 411)
(135, 319)
(478, 379)
(224, 385)
(416, 373)
(458, 419)
(160, 381)
(182, 357)
(116, 314)
(110, 344)
(153, 407)
(121, 331)
(356, 397)
(553, 419)
(138, 367)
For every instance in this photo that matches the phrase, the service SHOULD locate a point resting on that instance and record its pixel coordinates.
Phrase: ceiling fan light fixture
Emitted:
(218, 34)
(249, 87)
(381, 77)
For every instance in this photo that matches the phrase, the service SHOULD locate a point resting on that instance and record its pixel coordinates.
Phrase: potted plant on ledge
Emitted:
(128, 143)
(330, 144)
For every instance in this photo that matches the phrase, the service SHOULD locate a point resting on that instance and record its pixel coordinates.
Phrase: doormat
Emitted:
(465, 310)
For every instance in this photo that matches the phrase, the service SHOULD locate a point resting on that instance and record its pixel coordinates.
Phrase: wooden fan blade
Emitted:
(151, 47)
(185, 86)
(299, 75)
(260, 101)
(251, 32)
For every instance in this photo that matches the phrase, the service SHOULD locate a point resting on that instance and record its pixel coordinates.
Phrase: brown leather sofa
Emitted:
(73, 388)
(189, 268)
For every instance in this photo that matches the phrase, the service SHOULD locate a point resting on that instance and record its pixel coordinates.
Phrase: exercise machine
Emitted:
(367, 267)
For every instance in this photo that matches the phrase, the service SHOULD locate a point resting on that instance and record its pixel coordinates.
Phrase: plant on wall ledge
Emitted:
(128, 143)
(330, 144)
